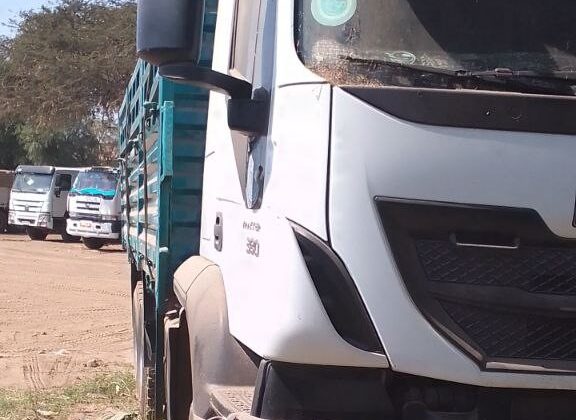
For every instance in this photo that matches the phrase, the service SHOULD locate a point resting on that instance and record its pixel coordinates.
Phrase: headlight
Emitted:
(11, 217)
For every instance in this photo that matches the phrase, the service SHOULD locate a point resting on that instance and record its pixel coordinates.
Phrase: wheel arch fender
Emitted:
(217, 358)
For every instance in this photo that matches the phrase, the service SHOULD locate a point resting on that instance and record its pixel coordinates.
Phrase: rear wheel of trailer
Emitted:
(36, 234)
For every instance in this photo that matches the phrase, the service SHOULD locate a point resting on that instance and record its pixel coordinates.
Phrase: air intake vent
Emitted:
(512, 335)
(495, 281)
(532, 269)
(338, 292)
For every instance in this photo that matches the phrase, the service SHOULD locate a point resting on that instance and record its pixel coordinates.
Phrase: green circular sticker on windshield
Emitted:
(333, 12)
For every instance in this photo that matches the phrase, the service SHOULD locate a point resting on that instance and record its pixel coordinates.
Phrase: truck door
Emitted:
(62, 186)
(248, 150)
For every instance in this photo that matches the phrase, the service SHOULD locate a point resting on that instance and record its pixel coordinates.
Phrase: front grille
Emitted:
(532, 269)
(96, 217)
(513, 303)
(27, 206)
(523, 336)
(87, 207)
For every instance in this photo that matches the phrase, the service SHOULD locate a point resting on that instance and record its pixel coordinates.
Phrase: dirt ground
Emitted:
(64, 312)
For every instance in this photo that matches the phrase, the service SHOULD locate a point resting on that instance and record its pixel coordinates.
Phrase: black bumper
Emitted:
(299, 392)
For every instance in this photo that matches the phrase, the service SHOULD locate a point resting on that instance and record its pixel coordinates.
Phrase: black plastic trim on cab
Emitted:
(488, 110)
(338, 292)
(306, 392)
(493, 238)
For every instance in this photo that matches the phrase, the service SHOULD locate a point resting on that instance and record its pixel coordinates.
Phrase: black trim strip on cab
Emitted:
(338, 292)
(488, 110)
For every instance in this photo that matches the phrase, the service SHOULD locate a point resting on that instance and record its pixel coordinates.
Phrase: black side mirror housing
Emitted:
(57, 191)
(246, 114)
(169, 35)
(169, 30)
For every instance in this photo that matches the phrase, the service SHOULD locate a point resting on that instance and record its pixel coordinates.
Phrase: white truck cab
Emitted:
(94, 207)
(388, 227)
(38, 200)
(6, 179)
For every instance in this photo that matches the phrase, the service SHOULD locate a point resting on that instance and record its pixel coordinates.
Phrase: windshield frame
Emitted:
(20, 175)
(372, 75)
(96, 183)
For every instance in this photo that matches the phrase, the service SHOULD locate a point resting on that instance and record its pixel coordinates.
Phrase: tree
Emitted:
(12, 151)
(75, 146)
(69, 62)
(64, 73)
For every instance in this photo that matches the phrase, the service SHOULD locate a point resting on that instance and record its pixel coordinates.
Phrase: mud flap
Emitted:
(177, 370)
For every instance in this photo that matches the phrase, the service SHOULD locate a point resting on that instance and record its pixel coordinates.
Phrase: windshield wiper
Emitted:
(522, 79)
(569, 77)
(403, 66)
(501, 72)
(553, 82)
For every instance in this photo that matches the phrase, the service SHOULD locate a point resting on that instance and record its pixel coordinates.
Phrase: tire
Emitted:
(36, 234)
(66, 237)
(145, 374)
(147, 389)
(93, 243)
(3, 221)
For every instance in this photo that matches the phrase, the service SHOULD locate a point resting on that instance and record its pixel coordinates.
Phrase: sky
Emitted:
(10, 8)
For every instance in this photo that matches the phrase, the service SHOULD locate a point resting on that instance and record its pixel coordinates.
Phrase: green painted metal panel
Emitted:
(164, 150)
(162, 141)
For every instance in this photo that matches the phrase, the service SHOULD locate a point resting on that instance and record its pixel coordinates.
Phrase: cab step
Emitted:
(241, 416)
(234, 400)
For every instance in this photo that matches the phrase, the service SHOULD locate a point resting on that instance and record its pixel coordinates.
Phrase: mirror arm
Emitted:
(190, 73)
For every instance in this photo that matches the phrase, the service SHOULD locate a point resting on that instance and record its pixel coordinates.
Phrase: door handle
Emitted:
(218, 232)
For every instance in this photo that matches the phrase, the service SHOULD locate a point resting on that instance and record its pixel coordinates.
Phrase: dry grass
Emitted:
(112, 391)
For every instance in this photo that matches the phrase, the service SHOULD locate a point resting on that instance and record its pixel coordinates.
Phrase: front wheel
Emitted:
(36, 234)
(93, 243)
(145, 374)
(66, 237)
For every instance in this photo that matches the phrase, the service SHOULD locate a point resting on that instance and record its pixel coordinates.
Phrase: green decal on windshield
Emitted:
(333, 12)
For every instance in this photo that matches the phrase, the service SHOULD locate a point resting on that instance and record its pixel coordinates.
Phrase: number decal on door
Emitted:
(253, 247)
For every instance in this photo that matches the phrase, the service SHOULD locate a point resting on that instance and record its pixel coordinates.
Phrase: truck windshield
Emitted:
(97, 183)
(496, 45)
(33, 183)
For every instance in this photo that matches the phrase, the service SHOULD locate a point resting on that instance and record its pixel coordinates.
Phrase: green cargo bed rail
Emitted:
(162, 145)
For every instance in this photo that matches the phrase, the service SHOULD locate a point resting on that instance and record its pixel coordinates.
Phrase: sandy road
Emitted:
(64, 312)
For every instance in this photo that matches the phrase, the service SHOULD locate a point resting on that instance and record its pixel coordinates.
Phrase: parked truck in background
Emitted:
(6, 180)
(94, 207)
(38, 200)
(372, 217)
